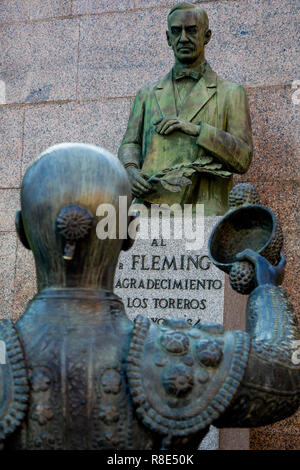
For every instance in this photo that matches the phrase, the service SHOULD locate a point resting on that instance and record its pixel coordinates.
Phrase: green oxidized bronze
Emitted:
(188, 133)
(80, 375)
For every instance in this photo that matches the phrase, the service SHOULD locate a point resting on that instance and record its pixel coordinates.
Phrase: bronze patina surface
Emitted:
(188, 133)
(80, 375)
(247, 225)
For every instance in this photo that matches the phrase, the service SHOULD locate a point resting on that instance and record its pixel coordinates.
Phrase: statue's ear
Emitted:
(207, 36)
(168, 38)
(128, 242)
(20, 230)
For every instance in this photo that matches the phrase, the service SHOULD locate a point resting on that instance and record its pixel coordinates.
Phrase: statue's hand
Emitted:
(170, 124)
(265, 272)
(139, 184)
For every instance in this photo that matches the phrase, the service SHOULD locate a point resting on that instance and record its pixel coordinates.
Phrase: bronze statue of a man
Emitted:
(190, 124)
(80, 375)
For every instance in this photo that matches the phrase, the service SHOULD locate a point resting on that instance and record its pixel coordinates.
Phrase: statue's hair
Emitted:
(191, 6)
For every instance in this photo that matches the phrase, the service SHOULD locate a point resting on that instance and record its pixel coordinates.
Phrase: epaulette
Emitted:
(14, 391)
(182, 378)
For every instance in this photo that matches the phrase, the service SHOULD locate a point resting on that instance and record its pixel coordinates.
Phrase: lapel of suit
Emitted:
(165, 96)
(201, 93)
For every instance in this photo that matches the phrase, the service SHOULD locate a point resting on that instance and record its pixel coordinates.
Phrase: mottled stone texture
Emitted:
(274, 124)
(7, 273)
(17, 11)
(114, 60)
(98, 123)
(69, 71)
(11, 142)
(9, 203)
(38, 61)
(267, 439)
(85, 7)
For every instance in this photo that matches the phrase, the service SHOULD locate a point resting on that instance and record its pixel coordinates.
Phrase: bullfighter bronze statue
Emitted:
(80, 375)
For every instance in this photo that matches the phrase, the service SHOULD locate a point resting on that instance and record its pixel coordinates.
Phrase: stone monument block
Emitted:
(162, 278)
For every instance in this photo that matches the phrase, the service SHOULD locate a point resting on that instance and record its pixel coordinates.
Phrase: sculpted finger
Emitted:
(145, 176)
(137, 190)
(160, 125)
(163, 122)
(172, 128)
(168, 125)
(144, 183)
(158, 121)
(140, 187)
(137, 186)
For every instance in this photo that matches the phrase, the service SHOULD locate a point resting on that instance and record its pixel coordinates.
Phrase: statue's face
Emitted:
(187, 36)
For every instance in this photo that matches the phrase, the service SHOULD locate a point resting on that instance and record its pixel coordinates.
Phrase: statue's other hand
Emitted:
(265, 272)
(169, 124)
(139, 185)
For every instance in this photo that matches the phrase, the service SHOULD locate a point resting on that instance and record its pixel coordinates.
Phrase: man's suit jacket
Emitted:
(223, 111)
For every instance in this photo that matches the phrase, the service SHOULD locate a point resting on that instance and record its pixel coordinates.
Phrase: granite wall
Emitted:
(69, 71)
